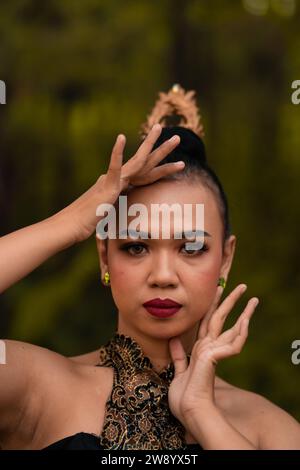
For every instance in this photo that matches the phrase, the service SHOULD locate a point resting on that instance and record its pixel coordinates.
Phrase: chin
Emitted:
(166, 329)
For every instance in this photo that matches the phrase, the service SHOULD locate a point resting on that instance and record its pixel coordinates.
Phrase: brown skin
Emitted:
(163, 269)
(45, 396)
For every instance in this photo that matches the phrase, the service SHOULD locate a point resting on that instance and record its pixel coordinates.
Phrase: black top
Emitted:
(137, 414)
(86, 441)
(79, 441)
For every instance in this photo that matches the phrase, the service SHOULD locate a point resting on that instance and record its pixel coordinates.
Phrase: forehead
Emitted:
(181, 193)
(171, 191)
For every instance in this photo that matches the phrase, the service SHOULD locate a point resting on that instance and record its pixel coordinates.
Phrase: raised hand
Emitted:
(193, 385)
(139, 170)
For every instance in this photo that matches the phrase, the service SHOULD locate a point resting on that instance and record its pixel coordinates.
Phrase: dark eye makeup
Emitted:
(136, 248)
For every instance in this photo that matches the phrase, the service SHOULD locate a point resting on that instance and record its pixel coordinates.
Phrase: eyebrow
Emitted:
(177, 235)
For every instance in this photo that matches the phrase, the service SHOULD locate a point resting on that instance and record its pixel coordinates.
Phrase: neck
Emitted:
(157, 349)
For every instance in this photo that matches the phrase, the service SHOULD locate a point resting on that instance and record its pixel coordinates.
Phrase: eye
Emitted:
(195, 252)
(140, 248)
(134, 248)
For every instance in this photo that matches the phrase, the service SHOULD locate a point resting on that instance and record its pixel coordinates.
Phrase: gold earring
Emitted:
(222, 282)
(106, 278)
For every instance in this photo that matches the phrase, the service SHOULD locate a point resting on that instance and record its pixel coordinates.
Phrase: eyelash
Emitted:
(127, 247)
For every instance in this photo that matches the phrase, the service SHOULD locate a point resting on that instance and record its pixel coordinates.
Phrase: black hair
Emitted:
(191, 151)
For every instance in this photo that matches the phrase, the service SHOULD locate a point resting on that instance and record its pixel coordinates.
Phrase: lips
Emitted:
(159, 303)
(162, 308)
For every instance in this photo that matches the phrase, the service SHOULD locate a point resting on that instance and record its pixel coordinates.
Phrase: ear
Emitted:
(228, 254)
(102, 247)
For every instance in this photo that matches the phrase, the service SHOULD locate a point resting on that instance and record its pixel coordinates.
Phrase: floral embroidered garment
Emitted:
(137, 412)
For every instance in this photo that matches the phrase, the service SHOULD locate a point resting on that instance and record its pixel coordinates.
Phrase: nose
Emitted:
(163, 271)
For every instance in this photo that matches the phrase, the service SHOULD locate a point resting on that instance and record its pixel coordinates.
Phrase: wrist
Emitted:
(206, 409)
(199, 406)
(61, 225)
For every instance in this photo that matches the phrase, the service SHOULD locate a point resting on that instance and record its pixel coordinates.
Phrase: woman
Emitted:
(153, 385)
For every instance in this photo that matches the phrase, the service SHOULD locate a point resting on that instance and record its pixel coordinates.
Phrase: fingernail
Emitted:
(243, 287)
(174, 138)
(181, 163)
(156, 127)
(255, 301)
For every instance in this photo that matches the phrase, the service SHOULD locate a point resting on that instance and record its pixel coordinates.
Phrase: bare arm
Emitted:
(277, 429)
(210, 428)
(25, 373)
(16, 360)
(24, 250)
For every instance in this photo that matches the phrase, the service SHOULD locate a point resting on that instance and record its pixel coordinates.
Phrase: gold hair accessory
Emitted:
(177, 103)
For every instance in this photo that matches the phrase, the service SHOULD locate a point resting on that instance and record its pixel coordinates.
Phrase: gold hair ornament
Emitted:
(176, 102)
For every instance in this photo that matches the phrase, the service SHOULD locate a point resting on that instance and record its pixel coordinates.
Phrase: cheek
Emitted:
(118, 268)
(202, 295)
(123, 270)
(206, 272)
(201, 283)
(207, 285)
(125, 278)
(117, 273)
(210, 276)
(120, 285)
(125, 284)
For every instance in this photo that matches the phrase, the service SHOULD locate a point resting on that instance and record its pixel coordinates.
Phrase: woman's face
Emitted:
(145, 269)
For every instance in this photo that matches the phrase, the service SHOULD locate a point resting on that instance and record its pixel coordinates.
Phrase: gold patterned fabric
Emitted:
(137, 413)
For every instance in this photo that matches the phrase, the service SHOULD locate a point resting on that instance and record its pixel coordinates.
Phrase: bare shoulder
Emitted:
(276, 428)
(89, 359)
(41, 364)
(33, 356)
(24, 370)
(26, 366)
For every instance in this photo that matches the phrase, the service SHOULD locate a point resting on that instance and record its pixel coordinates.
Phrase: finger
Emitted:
(236, 346)
(146, 147)
(178, 355)
(140, 159)
(239, 341)
(204, 322)
(161, 171)
(247, 312)
(217, 320)
(115, 164)
(143, 168)
(229, 335)
(141, 164)
(162, 151)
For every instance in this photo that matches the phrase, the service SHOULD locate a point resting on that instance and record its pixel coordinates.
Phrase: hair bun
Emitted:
(191, 145)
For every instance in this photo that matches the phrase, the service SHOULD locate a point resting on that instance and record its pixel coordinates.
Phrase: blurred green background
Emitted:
(78, 73)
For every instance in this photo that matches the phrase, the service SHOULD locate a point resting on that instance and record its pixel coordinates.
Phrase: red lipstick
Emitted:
(162, 308)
